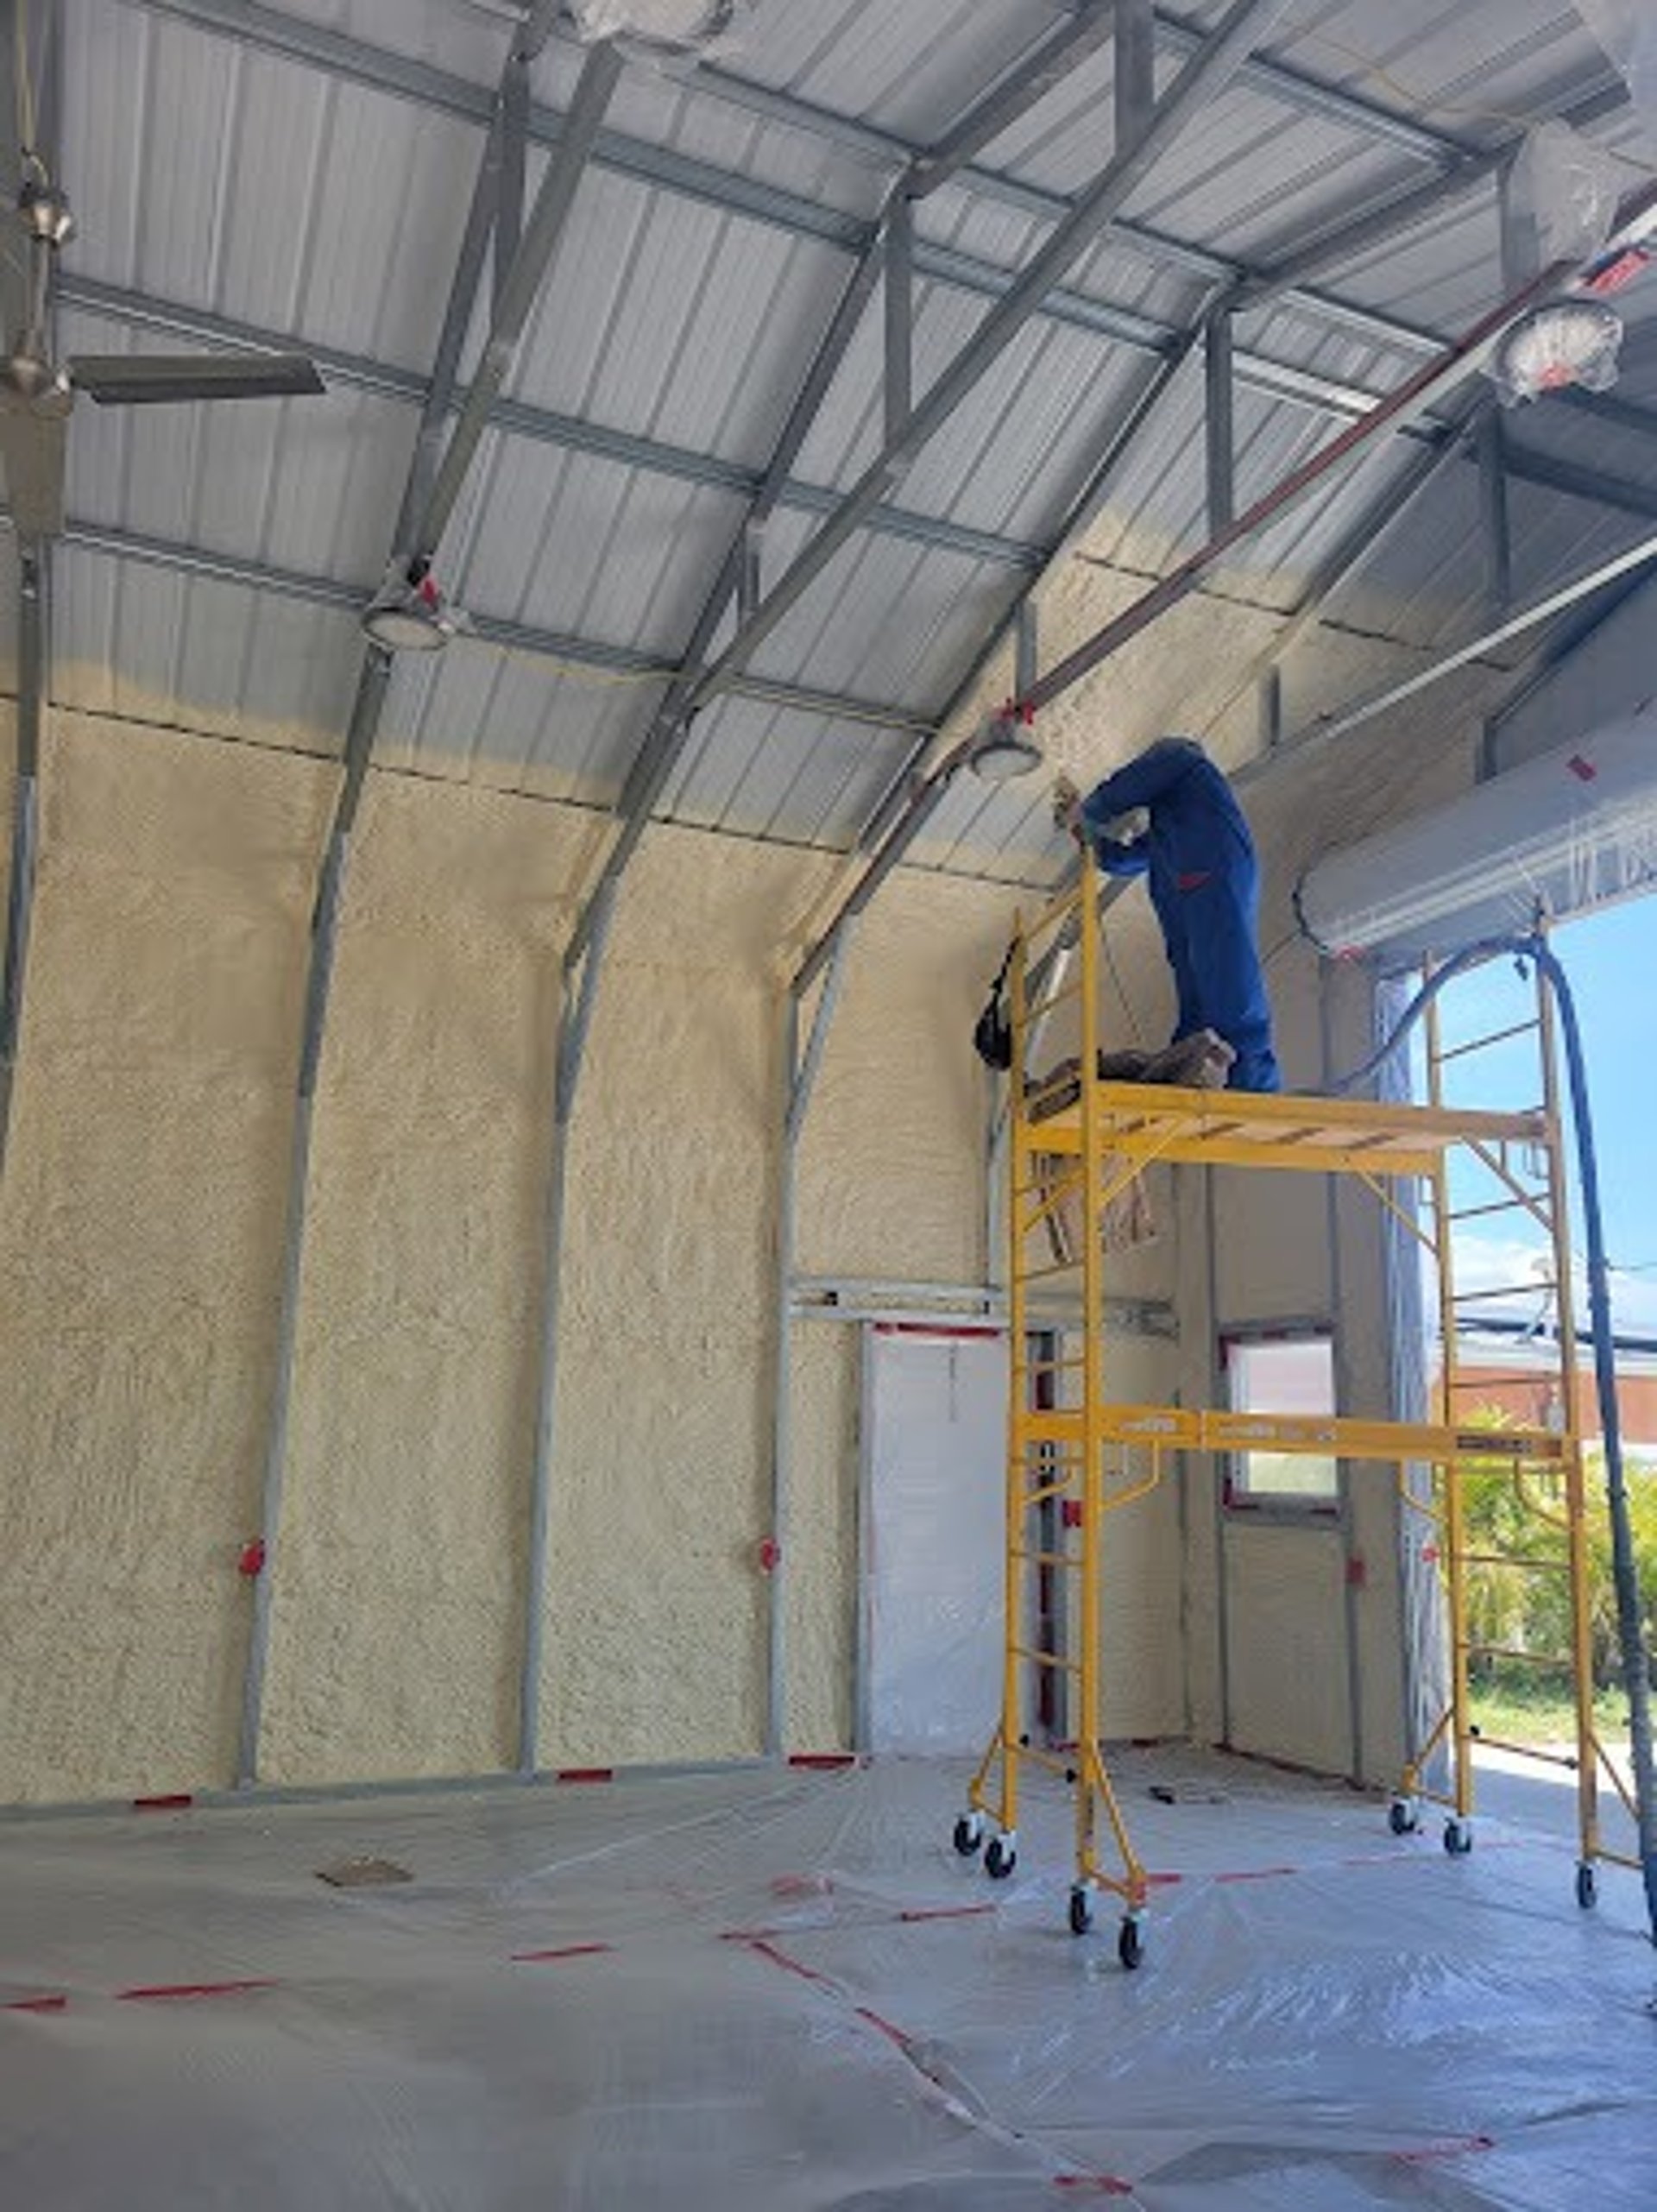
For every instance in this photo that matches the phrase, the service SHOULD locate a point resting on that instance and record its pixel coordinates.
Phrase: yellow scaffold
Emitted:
(1077, 1452)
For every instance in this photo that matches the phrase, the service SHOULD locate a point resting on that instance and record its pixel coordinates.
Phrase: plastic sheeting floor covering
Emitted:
(761, 1991)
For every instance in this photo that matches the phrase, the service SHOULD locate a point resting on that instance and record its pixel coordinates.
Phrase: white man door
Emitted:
(935, 1410)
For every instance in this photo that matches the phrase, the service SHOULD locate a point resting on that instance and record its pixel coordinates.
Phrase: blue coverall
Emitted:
(1204, 883)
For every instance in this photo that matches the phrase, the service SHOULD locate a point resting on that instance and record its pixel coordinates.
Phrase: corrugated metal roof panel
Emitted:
(1004, 831)
(765, 770)
(132, 639)
(910, 70)
(1469, 70)
(569, 542)
(515, 722)
(209, 173)
(468, 37)
(307, 484)
(888, 620)
(205, 172)
(676, 320)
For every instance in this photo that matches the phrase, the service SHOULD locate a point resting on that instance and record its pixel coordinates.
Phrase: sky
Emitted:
(1611, 959)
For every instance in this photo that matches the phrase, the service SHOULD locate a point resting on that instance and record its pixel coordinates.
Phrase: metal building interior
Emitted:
(504, 1352)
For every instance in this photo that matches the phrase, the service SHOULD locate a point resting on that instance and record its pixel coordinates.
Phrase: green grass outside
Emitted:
(1521, 1705)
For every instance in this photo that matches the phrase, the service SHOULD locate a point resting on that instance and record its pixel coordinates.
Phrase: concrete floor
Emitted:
(755, 1993)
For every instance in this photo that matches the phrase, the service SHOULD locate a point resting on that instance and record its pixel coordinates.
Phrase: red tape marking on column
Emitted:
(565, 1950)
(52, 2004)
(585, 1774)
(822, 1762)
(173, 1801)
(167, 1989)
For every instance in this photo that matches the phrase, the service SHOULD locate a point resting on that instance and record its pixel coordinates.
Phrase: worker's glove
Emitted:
(1126, 828)
(1067, 806)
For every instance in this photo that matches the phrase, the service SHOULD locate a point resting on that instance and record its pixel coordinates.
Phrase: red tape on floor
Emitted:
(565, 1950)
(163, 1990)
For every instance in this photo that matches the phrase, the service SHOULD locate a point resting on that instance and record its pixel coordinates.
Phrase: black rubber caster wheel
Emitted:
(1401, 1818)
(1587, 1887)
(969, 1835)
(999, 1858)
(1129, 1945)
(1081, 1911)
(1458, 1839)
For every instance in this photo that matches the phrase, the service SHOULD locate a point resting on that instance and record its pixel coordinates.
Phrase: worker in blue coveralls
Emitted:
(1192, 844)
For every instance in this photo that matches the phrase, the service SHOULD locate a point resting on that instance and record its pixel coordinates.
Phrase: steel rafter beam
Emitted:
(697, 688)
(912, 799)
(1408, 405)
(1403, 409)
(1369, 525)
(1244, 24)
(654, 761)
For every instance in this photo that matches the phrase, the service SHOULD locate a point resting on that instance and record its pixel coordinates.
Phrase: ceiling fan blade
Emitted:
(134, 380)
(33, 448)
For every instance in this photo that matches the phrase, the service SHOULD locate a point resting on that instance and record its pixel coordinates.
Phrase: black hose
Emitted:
(1625, 1573)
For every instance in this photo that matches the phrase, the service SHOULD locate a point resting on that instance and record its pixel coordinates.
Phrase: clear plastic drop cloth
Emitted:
(762, 1991)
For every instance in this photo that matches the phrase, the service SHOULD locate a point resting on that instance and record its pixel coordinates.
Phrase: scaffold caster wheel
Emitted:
(969, 1833)
(1000, 1856)
(1403, 1818)
(1130, 1943)
(1082, 1910)
(1587, 1886)
(1458, 1838)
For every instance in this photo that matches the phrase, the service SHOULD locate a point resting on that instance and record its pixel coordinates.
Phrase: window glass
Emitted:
(1283, 1374)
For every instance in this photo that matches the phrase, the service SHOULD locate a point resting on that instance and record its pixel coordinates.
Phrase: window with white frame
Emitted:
(1282, 1371)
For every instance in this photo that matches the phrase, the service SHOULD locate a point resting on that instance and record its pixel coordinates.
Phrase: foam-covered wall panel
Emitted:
(140, 1238)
